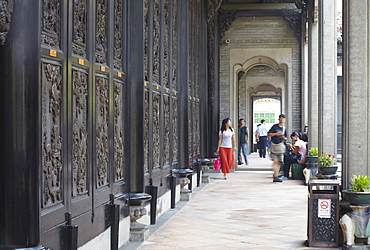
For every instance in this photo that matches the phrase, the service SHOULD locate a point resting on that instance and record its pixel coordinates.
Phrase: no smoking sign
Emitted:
(323, 207)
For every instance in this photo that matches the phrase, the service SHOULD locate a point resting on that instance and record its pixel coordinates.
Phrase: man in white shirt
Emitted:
(261, 134)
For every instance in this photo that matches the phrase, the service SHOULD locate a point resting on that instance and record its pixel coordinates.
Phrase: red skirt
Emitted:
(227, 159)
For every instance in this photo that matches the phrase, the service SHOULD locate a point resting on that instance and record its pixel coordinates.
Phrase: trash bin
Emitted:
(323, 213)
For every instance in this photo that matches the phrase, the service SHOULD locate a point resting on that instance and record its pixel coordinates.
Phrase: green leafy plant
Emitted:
(326, 159)
(313, 151)
(360, 183)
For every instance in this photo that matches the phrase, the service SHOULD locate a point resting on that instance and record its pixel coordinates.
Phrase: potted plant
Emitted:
(359, 193)
(326, 162)
(313, 155)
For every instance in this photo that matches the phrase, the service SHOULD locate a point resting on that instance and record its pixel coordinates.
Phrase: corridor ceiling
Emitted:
(257, 1)
(246, 7)
(263, 7)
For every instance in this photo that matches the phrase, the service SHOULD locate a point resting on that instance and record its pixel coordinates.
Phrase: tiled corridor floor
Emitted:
(247, 211)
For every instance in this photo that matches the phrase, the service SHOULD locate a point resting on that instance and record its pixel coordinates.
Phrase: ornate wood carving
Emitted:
(213, 7)
(197, 52)
(101, 31)
(211, 61)
(174, 146)
(194, 60)
(166, 34)
(146, 130)
(118, 26)
(146, 42)
(102, 107)
(174, 45)
(190, 129)
(51, 22)
(196, 120)
(51, 135)
(118, 131)
(293, 17)
(80, 133)
(156, 130)
(6, 11)
(166, 130)
(227, 17)
(156, 40)
(79, 28)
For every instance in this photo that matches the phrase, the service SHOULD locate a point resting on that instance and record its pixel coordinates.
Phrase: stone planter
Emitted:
(356, 198)
(328, 170)
(138, 231)
(312, 159)
(185, 194)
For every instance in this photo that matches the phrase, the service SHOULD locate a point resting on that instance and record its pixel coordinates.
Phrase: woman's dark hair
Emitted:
(223, 125)
(295, 134)
(303, 136)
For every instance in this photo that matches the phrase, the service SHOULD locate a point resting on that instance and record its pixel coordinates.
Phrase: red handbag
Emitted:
(217, 164)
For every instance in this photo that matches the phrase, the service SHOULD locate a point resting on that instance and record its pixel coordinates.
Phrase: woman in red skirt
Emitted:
(226, 146)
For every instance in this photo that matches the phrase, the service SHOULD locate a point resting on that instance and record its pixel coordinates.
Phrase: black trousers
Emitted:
(263, 145)
(288, 161)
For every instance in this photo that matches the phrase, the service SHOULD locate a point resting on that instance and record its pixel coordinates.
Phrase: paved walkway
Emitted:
(247, 211)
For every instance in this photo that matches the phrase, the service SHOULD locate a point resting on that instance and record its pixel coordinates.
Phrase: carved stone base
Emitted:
(206, 179)
(356, 247)
(356, 224)
(141, 235)
(36, 248)
(185, 196)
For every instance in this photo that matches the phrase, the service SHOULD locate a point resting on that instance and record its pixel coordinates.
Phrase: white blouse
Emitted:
(226, 138)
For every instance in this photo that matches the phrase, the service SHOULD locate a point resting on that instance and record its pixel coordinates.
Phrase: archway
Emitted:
(262, 91)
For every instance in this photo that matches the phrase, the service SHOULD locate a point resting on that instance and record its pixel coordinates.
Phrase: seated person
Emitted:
(299, 146)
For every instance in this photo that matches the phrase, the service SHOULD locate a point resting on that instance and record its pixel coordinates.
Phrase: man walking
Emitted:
(243, 141)
(278, 137)
(261, 134)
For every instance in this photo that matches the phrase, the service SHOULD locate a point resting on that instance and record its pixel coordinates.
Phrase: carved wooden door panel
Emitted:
(160, 92)
(82, 86)
(194, 79)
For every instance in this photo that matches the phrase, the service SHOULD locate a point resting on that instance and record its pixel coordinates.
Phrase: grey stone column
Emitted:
(356, 87)
(313, 109)
(327, 77)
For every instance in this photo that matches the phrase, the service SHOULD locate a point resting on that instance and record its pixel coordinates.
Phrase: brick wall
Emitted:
(260, 33)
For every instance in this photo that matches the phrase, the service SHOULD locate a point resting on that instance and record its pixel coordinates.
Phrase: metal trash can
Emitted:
(323, 213)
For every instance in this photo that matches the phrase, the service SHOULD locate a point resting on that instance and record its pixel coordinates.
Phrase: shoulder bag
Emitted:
(278, 148)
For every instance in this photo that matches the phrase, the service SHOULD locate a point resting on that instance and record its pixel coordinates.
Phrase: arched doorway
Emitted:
(262, 91)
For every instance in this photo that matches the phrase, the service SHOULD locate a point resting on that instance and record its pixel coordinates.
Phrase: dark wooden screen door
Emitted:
(82, 138)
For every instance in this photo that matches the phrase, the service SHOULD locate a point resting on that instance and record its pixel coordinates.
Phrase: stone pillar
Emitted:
(304, 91)
(327, 77)
(356, 87)
(19, 125)
(313, 126)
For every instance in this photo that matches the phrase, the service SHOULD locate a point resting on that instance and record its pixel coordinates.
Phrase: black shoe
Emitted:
(240, 163)
(276, 179)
